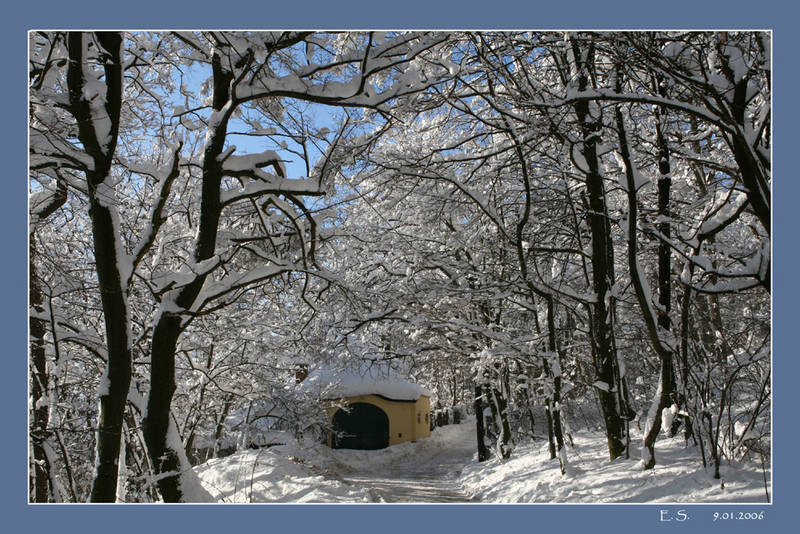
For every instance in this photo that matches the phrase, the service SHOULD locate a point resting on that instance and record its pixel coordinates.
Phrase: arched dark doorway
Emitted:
(363, 426)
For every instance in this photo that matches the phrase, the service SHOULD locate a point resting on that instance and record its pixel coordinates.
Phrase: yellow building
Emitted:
(372, 412)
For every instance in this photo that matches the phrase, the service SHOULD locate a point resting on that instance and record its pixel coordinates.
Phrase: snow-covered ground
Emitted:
(291, 473)
(529, 476)
(443, 468)
(424, 472)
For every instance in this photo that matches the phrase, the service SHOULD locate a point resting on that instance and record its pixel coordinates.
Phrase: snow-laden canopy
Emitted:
(337, 384)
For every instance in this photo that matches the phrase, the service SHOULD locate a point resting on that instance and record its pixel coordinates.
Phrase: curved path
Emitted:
(431, 476)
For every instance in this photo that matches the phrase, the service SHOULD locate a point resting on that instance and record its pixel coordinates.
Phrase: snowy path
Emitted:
(428, 474)
(443, 469)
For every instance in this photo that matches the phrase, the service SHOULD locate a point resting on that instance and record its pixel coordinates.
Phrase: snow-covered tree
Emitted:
(116, 109)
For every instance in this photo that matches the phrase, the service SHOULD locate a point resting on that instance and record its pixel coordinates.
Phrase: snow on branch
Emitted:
(216, 289)
(249, 164)
(252, 165)
(356, 91)
(50, 150)
(166, 176)
(722, 215)
(305, 187)
(188, 273)
(573, 96)
(43, 203)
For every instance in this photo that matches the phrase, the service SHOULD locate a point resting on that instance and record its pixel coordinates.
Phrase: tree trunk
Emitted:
(114, 393)
(498, 404)
(156, 422)
(40, 470)
(107, 246)
(551, 442)
(713, 444)
(666, 392)
(602, 258)
(524, 389)
(590, 121)
(756, 181)
(653, 323)
(166, 456)
(686, 300)
(42, 487)
(483, 453)
(495, 398)
(558, 433)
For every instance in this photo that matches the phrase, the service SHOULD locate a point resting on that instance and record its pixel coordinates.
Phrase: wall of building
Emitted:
(422, 426)
(404, 422)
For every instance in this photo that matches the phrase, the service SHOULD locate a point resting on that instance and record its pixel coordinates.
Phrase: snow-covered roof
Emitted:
(340, 384)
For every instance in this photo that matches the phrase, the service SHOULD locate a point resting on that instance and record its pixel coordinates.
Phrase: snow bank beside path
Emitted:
(291, 473)
(529, 476)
